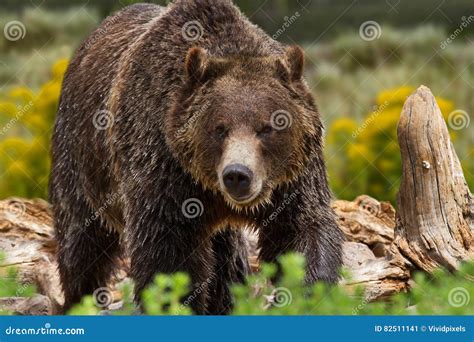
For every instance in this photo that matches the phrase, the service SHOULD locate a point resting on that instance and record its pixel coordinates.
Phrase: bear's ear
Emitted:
(282, 71)
(194, 64)
(295, 59)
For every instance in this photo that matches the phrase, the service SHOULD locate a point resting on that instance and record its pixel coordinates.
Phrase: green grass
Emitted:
(49, 35)
(11, 287)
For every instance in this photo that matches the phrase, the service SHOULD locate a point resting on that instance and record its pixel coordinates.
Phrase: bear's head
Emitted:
(244, 125)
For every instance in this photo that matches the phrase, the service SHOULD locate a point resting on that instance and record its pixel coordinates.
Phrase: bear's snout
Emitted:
(237, 180)
(241, 171)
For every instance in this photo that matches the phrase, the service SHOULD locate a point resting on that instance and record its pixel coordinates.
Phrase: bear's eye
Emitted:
(266, 130)
(221, 131)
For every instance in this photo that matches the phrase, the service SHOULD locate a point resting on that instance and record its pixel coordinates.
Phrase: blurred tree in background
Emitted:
(318, 16)
(359, 85)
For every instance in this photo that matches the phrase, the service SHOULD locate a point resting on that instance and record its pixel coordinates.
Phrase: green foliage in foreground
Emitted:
(439, 294)
(10, 287)
(442, 293)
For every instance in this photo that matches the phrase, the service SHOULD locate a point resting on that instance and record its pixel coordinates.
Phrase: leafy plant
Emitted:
(26, 121)
(442, 293)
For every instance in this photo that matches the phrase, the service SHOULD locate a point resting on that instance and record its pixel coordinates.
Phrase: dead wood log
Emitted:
(34, 306)
(435, 218)
(26, 239)
(372, 263)
(27, 243)
(367, 221)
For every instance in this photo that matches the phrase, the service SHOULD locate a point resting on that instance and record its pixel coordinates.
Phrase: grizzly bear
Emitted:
(177, 127)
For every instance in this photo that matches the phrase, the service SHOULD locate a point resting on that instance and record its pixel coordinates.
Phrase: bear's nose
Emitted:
(237, 179)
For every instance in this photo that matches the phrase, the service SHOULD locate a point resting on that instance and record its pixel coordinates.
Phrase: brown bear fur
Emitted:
(173, 106)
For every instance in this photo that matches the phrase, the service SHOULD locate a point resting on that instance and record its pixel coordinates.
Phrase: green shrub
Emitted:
(26, 120)
(442, 293)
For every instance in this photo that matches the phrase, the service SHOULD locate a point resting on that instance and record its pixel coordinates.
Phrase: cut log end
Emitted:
(434, 217)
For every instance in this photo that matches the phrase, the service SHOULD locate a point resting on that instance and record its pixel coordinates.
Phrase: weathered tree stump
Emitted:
(435, 218)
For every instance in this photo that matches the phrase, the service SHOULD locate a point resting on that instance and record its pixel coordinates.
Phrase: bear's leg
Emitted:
(307, 226)
(155, 249)
(87, 251)
(231, 266)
